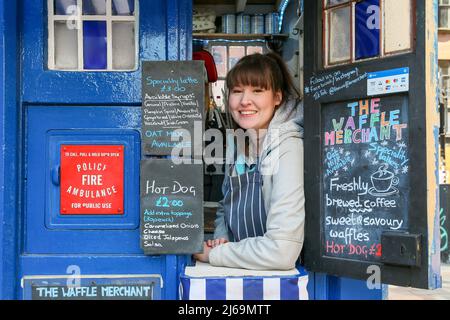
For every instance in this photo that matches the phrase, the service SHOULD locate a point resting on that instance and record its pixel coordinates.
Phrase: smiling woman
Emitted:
(260, 219)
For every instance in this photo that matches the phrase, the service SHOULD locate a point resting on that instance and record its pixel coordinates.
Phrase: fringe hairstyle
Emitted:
(268, 71)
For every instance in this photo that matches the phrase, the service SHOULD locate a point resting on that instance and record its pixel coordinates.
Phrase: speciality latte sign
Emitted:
(365, 175)
(172, 103)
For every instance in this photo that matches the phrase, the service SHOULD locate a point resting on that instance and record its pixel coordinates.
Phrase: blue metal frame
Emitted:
(9, 151)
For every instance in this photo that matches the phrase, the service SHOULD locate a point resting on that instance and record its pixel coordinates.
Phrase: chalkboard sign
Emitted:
(365, 178)
(92, 287)
(444, 199)
(171, 207)
(172, 107)
(93, 292)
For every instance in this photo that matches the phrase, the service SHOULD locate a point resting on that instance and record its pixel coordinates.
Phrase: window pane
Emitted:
(123, 39)
(397, 25)
(94, 7)
(236, 53)
(220, 58)
(243, 23)
(66, 46)
(257, 24)
(444, 13)
(254, 49)
(444, 67)
(339, 33)
(218, 88)
(123, 7)
(367, 29)
(94, 45)
(335, 2)
(63, 7)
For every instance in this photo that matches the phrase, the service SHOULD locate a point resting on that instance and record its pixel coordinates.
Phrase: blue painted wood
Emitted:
(79, 234)
(9, 149)
(327, 287)
(350, 289)
(61, 102)
(320, 286)
(95, 265)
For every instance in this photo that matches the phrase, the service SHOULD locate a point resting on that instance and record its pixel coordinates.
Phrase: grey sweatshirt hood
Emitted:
(286, 122)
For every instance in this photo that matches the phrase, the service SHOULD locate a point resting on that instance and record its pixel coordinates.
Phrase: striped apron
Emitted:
(245, 213)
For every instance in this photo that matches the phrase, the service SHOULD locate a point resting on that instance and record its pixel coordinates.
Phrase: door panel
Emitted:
(47, 230)
(371, 125)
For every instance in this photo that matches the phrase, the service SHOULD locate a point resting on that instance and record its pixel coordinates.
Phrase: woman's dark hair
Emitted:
(268, 71)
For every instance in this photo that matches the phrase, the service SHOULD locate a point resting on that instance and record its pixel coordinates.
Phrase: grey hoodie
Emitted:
(283, 192)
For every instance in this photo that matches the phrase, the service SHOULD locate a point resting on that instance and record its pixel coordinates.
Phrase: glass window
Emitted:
(92, 35)
(226, 54)
(339, 43)
(400, 40)
(94, 7)
(367, 29)
(444, 79)
(64, 7)
(66, 48)
(356, 30)
(123, 7)
(235, 53)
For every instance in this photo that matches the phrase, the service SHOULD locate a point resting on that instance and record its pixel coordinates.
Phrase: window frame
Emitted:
(325, 13)
(444, 74)
(109, 18)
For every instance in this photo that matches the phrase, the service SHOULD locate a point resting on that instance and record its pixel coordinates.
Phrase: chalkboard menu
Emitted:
(171, 207)
(172, 107)
(365, 176)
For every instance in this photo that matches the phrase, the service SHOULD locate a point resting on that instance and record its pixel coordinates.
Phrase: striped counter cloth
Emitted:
(205, 282)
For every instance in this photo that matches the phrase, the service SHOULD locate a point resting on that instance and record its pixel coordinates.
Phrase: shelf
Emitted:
(237, 36)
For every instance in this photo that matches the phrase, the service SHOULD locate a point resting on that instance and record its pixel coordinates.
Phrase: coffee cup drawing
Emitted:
(383, 182)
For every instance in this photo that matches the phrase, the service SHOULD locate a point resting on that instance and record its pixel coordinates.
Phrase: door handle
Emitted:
(55, 175)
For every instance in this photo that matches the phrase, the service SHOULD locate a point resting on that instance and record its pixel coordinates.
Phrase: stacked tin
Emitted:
(257, 24)
(271, 23)
(229, 23)
(243, 23)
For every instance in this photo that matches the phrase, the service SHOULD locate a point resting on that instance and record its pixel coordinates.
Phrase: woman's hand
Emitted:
(216, 242)
(203, 257)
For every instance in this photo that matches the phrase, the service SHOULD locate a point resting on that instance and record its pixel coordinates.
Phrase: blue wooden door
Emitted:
(94, 108)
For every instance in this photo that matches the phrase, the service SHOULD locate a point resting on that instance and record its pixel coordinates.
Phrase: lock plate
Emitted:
(400, 248)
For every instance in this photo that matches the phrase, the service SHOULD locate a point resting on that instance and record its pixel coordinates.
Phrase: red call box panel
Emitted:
(92, 179)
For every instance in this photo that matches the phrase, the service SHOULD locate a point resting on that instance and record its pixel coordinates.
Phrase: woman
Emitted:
(260, 220)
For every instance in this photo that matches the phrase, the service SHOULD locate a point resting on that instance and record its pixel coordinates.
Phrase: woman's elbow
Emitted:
(287, 259)
(285, 264)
